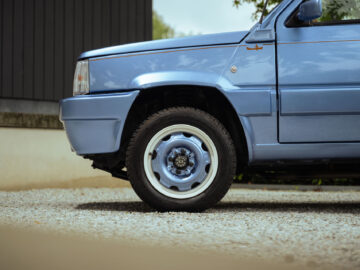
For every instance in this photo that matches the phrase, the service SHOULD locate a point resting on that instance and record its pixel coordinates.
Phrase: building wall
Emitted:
(41, 158)
(41, 39)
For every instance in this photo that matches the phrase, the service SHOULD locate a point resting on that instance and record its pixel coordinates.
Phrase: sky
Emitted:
(205, 16)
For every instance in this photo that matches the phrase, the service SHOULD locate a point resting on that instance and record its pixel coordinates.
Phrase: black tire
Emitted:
(191, 117)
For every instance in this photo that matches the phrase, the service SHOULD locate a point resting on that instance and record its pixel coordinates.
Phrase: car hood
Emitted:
(195, 41)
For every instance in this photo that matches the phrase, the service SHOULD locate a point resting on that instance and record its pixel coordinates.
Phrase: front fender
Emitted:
(205, 66)
(156, 79)
(245, 103)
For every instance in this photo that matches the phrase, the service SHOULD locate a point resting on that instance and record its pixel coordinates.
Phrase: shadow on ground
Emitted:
(324, 207)
(117, 206)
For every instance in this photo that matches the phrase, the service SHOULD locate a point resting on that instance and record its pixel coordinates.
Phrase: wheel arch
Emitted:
(206, 98)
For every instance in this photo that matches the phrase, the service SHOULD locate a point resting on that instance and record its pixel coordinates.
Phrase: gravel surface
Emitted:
(320, 230)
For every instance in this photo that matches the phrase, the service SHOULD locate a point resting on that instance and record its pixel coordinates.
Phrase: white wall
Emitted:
(35, 158)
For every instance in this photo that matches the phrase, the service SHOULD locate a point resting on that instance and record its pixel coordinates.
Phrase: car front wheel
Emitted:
(181, 159)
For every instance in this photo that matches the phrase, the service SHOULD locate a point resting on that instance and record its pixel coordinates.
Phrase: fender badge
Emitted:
(255, 49)
(233, 69)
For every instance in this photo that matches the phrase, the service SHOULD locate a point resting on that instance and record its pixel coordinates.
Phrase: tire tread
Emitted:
(146, 126)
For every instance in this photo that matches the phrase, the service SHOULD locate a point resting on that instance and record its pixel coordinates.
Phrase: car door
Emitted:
(319, 75)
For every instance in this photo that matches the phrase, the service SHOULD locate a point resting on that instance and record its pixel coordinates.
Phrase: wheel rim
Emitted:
(181, 161)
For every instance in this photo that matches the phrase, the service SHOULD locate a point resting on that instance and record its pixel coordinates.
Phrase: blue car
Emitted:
(180, 118)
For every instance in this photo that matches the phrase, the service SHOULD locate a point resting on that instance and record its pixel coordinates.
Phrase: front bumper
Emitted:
(94, 123)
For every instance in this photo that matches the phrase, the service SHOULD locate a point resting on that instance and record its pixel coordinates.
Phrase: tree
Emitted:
(259, 5)
(160, 29)
(340, 9)
(332, 9)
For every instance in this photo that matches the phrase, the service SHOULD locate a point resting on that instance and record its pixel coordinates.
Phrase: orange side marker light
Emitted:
(255, 49)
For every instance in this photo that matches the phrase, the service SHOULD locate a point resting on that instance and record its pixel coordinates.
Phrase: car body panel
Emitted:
(186, 42)
(246, 74)
(203, 64)
(94, 123)
(319, 82)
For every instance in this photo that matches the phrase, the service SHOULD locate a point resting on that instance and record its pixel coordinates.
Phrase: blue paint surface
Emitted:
(196, 41)
(94, 124)
(296, 97)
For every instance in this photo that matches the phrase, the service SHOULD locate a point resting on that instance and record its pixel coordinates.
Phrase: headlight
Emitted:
(81, 78)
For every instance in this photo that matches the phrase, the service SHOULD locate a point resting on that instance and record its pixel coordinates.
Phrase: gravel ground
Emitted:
(319, 230)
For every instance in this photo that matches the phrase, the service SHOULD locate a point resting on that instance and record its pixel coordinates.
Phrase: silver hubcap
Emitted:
(181, 161)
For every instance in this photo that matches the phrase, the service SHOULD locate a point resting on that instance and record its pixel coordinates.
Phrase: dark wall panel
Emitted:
(114, 22)
(39, 55)
(41, 39)
(18, 67)
(140, 19)
(1, 38)
(59, 56)
(105, 23)
(7, 48)
(88, 25)
(96, 17)
(69, 61)
(50, 49)
(79, 26)
(148, 19)
(124, 22)
(132, 6)
(29, 72)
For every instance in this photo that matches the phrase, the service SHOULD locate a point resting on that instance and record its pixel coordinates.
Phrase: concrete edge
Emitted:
(296, 187)
(24, 120)
(77, 183)
(29, 106)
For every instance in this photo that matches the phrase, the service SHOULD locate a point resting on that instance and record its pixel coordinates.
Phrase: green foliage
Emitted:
(340, 10)
(259, 5)
(240, 177)
(317, 182)
(160, 29)
(332, 9)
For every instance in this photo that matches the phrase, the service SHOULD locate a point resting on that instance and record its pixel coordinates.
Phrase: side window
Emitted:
(334, 12)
